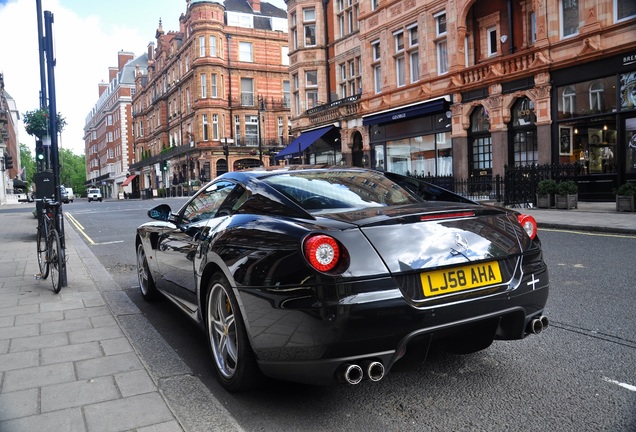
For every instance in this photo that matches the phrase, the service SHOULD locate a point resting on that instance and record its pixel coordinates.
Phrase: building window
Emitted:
(413, 36)
(213, 46)
(400, 71)
(414, 59)
(624, 9)
(215, 126)
(309, 19)
(213, 86)
(311, 78)
(237, 126)
(188, 105)
(480, 143)
(251, 130)
(109, 120)
(281, 131)
(375, 48)
(492, 41)
(311, 96)
(442, 57)
(377, 78)
(375, 4)
(569, 100)
(247, 91)
(533, 28)
(441, 43)
(201, 46)
(286, 94)
(399, 41)
(597, 97)
(204, 86)
(524, 150)
(245, 52)
(204, 124)
(569, 17)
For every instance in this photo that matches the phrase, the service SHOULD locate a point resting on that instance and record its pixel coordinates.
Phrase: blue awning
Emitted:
(399, 114)
(300, 144)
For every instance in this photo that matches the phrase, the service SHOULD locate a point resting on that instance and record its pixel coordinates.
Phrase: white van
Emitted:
(70, 193)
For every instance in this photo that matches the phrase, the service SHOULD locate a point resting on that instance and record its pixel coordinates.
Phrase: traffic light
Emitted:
(8, 161)
(39, 151)
(226, 151)
(164, 165)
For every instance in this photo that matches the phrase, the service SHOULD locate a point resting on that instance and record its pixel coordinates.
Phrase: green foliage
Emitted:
(546, 187)
(26, 158)
(73, 171)
(36, 122)
(567, 187)
(626, 189)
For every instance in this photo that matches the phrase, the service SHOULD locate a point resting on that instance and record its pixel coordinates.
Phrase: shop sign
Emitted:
(629, 59)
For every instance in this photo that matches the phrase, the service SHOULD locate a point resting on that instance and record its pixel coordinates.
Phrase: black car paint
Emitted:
(370, 311)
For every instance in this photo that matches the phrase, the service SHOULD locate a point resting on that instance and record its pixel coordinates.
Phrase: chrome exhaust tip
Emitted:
(350, 373)
(374, 370)
(535, 326)
(544, 321)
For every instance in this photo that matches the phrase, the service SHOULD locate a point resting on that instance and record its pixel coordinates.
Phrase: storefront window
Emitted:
(592, 145)
(524, 133)
(628, 91)
(630, 133)
(427, 155)
(588, 98)
(480, 142)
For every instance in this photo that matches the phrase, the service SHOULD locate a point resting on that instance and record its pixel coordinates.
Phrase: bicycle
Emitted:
(48, 244)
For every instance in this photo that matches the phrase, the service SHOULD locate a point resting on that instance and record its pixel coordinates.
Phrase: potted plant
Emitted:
(567, 195)
(545, 193)
(625, 197)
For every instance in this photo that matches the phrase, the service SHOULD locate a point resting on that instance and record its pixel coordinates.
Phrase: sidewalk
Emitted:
(86, 359)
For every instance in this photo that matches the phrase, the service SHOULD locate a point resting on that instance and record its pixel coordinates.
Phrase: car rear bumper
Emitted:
(313, 346)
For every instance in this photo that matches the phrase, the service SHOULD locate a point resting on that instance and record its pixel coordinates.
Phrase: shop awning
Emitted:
(128, 180)
(407, 112)
(300, 144)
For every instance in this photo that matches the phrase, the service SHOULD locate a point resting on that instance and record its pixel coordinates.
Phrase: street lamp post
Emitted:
(261, 109)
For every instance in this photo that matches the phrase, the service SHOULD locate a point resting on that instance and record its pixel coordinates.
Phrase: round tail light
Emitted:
(322, 252)
(529, 225)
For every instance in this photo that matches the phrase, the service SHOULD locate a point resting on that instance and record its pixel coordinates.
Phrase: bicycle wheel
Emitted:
(55, 260)
(43, 260)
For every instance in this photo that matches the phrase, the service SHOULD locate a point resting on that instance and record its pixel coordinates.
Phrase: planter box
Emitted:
(567, 201)
(545, 201)
(625, 203)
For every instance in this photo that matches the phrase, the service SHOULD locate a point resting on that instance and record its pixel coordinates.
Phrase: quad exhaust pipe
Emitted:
(537, 325)
(353, 373)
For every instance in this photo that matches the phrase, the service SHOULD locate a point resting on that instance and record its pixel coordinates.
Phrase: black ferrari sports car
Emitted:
(318, 275)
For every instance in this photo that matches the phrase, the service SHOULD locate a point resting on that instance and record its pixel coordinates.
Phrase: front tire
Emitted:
(43, 259)
(146, 283)
(234, 359)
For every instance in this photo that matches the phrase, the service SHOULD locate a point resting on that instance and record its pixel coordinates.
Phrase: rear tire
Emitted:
(55, 261)
(146, 283)
(229, 345)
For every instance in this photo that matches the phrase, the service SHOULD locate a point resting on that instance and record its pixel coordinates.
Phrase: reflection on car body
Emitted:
(320, 275)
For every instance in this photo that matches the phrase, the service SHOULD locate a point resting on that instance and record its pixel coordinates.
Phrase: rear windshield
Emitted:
(318, 190)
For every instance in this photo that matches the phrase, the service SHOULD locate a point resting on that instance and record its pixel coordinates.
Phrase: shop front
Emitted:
(594, 107)
(413, 139)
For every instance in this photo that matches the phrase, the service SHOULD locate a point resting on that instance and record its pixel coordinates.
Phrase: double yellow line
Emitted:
(78, 226)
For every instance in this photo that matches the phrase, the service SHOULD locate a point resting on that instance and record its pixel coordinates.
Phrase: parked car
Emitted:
(70, 193)
(64, 195)
(94, 194)
(332, 274)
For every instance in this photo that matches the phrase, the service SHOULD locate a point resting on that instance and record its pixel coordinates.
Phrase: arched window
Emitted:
(569, 100)
(597, 96)
(523, 134)
(480, 151)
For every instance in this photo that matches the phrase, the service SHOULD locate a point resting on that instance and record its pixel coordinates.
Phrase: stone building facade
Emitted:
(214, 97)
(466, 87)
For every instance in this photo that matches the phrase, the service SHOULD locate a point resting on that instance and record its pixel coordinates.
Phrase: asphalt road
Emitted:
(578, 375)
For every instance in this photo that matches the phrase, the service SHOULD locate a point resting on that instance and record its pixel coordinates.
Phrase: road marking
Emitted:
(107, 243)
(618, 383)
(630, 236)
(79, 227)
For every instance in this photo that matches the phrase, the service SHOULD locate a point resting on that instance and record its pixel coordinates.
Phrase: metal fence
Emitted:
(517, 188)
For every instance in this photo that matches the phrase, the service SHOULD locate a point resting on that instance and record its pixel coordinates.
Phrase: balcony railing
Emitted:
(505, 66)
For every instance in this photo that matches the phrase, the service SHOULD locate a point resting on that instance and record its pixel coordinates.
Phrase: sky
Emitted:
(87, 35)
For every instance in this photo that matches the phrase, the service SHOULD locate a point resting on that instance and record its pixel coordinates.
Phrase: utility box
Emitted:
(44, 188)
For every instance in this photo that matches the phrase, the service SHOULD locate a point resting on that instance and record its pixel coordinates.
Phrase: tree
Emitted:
(73, 171)
(26, 158)
(36, 122)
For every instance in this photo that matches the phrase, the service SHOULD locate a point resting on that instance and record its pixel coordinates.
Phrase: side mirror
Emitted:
(161, 212)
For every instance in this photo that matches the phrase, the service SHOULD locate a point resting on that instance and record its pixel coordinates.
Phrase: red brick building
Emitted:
(465, 88)
(215, 96)
(9, 146)
(108, 139)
